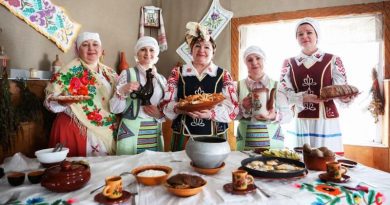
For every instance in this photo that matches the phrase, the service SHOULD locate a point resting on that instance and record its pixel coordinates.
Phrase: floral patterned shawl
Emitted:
(93, 114)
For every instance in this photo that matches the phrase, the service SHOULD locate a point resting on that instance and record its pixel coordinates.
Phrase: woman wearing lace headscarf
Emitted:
(199, 77)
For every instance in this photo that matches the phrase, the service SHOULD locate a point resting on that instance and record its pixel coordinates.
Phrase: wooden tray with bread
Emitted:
(338, 91)
(200, 101)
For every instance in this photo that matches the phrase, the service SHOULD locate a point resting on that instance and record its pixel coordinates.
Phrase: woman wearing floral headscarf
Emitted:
(84, 126)
(198, 77)
(140, 127)
(260, 130)
(302, 77)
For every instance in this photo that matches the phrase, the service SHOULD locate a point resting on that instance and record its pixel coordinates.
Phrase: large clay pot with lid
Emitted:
(207, 152)
(66, 177)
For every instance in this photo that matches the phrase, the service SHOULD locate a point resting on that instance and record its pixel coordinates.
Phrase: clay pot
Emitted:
(207, 152)
(68, 176)
(315, 162)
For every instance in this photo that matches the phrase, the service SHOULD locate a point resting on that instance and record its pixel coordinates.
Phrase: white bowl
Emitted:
(48, 156)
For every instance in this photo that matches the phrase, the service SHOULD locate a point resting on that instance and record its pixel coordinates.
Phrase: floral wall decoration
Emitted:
(216, 19)
(46, 18)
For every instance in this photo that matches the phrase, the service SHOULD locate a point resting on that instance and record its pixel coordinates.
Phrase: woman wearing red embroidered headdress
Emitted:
(302, 77)
(199, 77)
(84, 122)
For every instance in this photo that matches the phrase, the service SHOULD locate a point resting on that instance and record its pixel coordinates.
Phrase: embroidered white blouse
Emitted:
(118, 101)
(225, 112)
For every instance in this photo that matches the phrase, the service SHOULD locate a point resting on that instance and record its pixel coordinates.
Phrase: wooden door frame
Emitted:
(354, 152)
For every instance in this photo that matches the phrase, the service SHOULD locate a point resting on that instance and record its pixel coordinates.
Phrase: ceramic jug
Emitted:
(123, 65)
(262, 100)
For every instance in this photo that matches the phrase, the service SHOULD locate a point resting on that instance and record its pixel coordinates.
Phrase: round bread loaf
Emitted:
(334, 91)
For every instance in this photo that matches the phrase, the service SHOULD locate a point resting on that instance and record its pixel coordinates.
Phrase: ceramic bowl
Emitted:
(317, 163)
(35, 177)
(207, 152)
(47, 156)
(16, 178)
(151, 180)
(207, 171)
(186, 192)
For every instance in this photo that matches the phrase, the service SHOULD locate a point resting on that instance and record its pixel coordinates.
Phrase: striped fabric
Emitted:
(257, 136)
(147, 136)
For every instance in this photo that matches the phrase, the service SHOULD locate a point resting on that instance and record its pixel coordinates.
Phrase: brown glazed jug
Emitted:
(146, 91)
(56, 65)
(123, 65)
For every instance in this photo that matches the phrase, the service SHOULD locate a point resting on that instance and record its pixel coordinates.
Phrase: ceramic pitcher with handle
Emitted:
(262, 100)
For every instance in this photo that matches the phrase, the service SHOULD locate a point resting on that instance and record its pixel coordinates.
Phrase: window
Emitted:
(357, 39)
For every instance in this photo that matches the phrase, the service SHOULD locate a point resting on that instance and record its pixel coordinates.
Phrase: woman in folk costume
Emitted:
(198, 77)
(140, 127)
(260, 130)
(86, 127)
(302, 77)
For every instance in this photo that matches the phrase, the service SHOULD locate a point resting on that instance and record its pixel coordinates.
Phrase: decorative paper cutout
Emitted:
(47, 18)
(216, 20)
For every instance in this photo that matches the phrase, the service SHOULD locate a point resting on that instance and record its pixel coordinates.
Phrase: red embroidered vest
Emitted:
(312, 80)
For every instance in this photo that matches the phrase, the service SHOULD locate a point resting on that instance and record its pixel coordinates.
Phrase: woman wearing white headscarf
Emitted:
(140, 127)
(302, 77)
(260, 130)
(83, 125)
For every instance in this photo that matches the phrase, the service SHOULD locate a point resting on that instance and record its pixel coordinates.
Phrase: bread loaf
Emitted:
(334, 91)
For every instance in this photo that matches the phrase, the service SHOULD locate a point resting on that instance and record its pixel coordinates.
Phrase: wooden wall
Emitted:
(31, 136)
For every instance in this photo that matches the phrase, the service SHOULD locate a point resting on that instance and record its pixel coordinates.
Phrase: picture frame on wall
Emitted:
(152, 17)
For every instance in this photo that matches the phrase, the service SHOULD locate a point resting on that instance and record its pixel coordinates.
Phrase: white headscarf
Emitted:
(147, 41)
(314, 23)
(254, 50)
(87, 36)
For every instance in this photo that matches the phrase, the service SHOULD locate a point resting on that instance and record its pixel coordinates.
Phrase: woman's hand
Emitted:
(247, 102)
(271, 115)
(311, 98)
(129, 87)
(153, 111)
(202, 114)
(348, 99)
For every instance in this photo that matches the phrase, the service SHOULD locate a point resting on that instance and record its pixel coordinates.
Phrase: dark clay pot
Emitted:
(68, 176)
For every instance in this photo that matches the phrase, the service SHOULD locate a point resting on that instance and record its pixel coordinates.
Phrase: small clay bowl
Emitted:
(151, 180)
(35, 177)
(16, 178)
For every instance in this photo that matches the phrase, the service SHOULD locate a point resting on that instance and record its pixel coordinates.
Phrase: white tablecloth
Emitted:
(284, 191)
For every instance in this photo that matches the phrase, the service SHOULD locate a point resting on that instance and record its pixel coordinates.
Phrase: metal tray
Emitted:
(270, 174)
